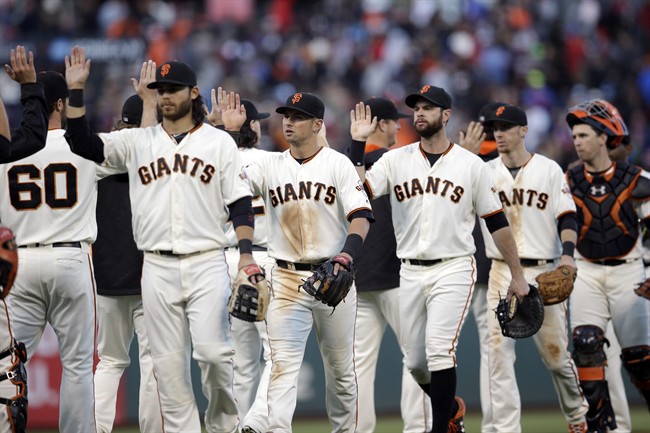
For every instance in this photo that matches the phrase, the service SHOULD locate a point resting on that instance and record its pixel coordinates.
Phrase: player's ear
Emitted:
(194, 92)
(317, 125)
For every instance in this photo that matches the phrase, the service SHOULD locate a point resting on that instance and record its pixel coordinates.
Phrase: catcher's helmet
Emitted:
(8, 260)
(602, 116)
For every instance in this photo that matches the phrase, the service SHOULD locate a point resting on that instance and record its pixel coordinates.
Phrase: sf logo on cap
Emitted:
(297, 97)
(425, 89)
(500, 110)
(164, 69)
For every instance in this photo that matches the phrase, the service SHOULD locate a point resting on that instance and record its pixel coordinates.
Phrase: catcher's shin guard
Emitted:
(636, 361)
(16, 406)
(590, 358)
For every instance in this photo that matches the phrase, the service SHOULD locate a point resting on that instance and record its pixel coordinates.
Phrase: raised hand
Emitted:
(233, 112)
(474, 137)
(77, 68)
(147, 76)
(21, 70)
(362, 124)
(214, 116)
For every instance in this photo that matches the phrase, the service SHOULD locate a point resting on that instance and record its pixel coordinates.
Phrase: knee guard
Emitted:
(590, 358)
(636, 361)
(16, 406)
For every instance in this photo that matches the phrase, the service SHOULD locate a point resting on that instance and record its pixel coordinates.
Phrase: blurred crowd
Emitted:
(544, 55)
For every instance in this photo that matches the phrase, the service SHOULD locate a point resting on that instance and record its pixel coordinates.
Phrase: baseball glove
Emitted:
(328, 288)
(556, 286)
(249, 299)
(8, 260)
(521, 319)
(644, 289)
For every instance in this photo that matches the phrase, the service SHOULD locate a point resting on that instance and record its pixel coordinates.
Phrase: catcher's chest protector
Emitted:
(608, 222)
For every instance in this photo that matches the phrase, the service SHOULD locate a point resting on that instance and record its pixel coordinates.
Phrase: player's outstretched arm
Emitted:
(362, 125)
(30, 137)
(506, 245)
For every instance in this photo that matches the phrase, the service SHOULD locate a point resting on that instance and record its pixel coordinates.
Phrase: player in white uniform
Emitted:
(609, 198)
(50, 206)
(184, 183)
(436, 190)
(250, 339)
(120, 314)
(377, 283)
(313, 200)
(538, 205)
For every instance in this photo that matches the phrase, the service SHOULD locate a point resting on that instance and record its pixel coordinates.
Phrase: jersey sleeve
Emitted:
(562, 200)
(378, 176)
(254, 173)
(234, 185)
(351, 193)
(484, 194)
(118, 149)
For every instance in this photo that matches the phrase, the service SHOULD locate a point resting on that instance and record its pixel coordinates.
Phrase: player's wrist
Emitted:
(245, 246)
(568, 248)
(76, 98)
(352, 245)
(357, 152)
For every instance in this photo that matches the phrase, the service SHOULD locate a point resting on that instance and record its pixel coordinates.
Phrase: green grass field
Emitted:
(533, 421)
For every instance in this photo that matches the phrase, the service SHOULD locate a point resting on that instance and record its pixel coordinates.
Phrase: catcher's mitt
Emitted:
(8, 260)
(555, 286)
(249, 299)
(644, 289)
(521, 319)
(328, 288)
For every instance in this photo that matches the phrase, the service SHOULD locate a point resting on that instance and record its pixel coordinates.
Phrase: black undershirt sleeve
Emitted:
(241, 212)
(567, 221)
(30, 137)
(83, 141)
(496, 221)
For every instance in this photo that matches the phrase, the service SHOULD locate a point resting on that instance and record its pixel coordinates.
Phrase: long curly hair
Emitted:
(247, 137)
(198, 113)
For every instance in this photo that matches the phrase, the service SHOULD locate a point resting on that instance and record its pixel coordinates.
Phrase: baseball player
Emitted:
(50, 206)
(118, 270)
(377, 282)
(436, 189)
(13, 377)
(184, 184)
(541, 212)
(250, 339)
(30, 137)
(608, 196)
(314, 200)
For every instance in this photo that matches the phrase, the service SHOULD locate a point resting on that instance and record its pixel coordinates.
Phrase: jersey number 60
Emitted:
(28, 195)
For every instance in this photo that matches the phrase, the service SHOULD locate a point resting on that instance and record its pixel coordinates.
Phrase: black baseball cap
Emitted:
(433, 94)
(132, 110)
(384, 109)
(251, 111)
(174, 72)
(54, 86)
(306, 103)
(506, 113)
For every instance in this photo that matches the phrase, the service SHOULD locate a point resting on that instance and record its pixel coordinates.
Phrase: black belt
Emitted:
(54, 245)
(611, 262)
(255, 248)
(168, 253)
(298, 266)
(535, 262)
(417, 262)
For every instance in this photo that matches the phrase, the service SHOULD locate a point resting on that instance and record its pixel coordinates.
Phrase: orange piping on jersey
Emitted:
(357, 210)
(371, 195)
(451, 144)
(493, 213)
(467, 302)
(569, 212)
(591, 373)
(526, 163)
(313, 156)
(424, 154)
(195, 128)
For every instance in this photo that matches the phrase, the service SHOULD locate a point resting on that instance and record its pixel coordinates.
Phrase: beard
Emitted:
(182, 110)
(430, 130)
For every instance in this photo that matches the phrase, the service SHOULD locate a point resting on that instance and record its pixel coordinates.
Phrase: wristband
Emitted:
(568, 248)
(245, 246)
(352, 244)
(357, 151)
(76, 98)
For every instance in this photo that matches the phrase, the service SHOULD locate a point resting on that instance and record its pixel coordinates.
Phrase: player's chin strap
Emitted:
(17, 375)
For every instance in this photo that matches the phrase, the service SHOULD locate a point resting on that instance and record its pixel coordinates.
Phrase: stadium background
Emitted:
(544, 55)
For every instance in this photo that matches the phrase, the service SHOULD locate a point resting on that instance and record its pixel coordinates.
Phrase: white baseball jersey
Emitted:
(303, 229)
(53, 188)
(169, 184)
(434, 207)
(259, 236)
(533, 201)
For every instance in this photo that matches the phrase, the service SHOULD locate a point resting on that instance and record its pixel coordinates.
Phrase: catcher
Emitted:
(13, 377)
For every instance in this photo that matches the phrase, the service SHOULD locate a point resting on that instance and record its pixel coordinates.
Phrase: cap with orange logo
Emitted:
(505, 113)
(174, 72)
(433, 94)
(306, 103)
